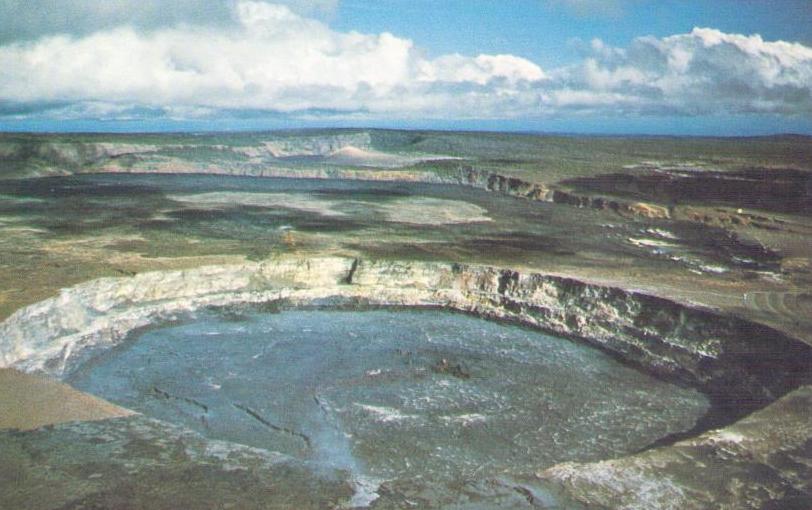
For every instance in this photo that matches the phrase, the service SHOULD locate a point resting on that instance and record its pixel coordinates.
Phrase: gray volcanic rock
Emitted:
(138, 462)
(763, 461)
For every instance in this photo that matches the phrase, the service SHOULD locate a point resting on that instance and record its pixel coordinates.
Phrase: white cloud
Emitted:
(273, 59)
(704, 71)
(479, 70)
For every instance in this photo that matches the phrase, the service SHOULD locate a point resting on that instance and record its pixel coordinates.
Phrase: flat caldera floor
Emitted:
(415, 394)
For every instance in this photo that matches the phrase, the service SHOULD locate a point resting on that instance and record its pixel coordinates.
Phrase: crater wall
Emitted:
(728, 357)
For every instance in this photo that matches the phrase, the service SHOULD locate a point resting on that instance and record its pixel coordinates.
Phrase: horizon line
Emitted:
(530, 132)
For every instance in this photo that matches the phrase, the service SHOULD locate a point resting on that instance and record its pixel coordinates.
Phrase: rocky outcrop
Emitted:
(316, 145)
(138, 462)
(513, 186)
(763, 461)
(490, 181)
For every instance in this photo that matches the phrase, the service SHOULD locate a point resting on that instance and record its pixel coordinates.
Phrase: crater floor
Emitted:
(390, 395)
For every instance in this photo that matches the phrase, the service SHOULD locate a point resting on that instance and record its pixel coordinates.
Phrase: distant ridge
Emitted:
(785, 136)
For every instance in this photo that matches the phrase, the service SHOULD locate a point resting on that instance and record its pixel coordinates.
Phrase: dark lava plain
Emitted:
(140, 219)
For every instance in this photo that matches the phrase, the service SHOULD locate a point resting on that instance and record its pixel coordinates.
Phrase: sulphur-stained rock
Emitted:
(762, 461)
(649, 210)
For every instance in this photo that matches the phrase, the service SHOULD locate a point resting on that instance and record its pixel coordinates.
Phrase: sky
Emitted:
(683, 67)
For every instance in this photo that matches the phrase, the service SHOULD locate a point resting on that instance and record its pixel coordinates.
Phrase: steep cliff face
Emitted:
(317, 146)
(26, 157)
(730, 358)
(470, 176)
(74, 155)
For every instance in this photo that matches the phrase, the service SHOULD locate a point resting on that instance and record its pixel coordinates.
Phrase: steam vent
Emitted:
(386, 319)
